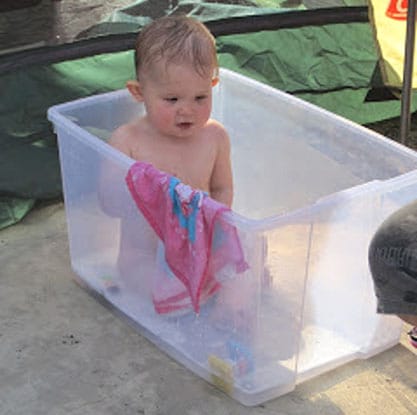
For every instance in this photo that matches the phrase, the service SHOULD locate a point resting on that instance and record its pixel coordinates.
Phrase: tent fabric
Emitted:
(311, 58)
(334, 66)
(52, 22)
(29, 164)
(13, 209)
(135, 16)
(61, 32)
(390, 23)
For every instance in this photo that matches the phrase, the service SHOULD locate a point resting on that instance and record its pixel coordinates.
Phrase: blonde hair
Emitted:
(178, 40)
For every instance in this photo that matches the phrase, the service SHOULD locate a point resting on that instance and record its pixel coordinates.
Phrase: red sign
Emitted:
(397, 9)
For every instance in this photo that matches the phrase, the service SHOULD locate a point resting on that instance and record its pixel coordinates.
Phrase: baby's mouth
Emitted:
(184, 125)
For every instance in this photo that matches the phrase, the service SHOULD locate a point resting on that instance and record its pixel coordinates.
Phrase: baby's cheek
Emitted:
(164, 117)
(206, 111)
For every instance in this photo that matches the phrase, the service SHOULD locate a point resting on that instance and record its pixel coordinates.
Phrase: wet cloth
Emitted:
(198, 241)
(393, 262)
(169, 295)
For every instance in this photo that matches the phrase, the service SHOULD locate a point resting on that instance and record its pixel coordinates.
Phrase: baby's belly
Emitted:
(194, 177)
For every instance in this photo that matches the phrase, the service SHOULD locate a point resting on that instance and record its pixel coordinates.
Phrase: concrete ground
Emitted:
(63, 352)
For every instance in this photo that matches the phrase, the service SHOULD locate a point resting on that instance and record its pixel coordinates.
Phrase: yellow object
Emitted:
(222, 374)
(389, 18)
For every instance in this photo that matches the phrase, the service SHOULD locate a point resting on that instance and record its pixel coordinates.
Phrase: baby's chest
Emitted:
(191, 167)
(193, 171)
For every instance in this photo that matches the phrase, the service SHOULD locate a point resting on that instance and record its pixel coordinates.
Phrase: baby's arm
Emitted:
(221, 182)
(121, 139)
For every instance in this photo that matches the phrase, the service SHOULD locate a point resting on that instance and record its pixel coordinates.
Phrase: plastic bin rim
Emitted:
(304, 213)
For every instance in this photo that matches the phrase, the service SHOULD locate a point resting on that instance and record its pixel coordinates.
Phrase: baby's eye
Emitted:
(171, 99)
(200, 97)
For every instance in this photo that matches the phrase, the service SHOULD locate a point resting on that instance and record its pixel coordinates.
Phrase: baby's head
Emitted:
(179, 40)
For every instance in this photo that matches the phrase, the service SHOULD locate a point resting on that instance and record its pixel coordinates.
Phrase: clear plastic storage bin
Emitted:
(310, 190)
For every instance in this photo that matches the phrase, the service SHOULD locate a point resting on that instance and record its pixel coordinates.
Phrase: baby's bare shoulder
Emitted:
(125, 137)
(123, 133)
(217, 131)
(218, 136)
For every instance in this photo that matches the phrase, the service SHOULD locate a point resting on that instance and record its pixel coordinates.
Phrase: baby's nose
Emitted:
(185, 109)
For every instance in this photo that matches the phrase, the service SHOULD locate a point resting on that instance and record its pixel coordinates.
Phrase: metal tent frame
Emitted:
(405, 117)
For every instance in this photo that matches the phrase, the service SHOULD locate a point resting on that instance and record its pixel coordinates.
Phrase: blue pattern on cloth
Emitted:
(191, 207)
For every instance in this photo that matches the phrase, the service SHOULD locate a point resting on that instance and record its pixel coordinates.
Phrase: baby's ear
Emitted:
(135, 90)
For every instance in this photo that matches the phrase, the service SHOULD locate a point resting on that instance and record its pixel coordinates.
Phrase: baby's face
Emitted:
(177, 100)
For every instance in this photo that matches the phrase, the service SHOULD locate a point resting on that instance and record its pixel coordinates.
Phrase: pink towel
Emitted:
(198, 241)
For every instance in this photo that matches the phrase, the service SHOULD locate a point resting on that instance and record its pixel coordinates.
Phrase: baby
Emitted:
(177, 67)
